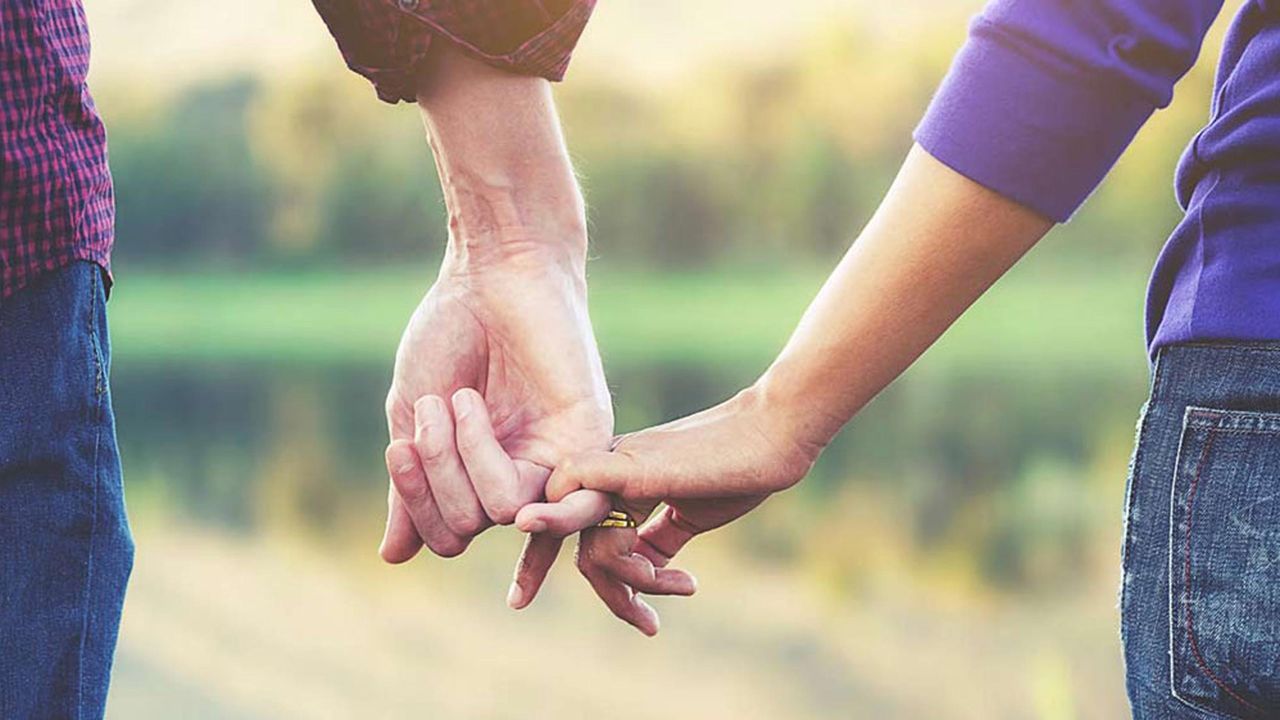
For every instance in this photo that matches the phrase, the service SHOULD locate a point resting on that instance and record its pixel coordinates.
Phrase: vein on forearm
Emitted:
(504, 169)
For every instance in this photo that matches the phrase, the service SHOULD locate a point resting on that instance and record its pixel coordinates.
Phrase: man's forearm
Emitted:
(505, 172)
(936, 243)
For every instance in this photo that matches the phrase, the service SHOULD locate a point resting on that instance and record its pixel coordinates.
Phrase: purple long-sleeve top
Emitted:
(1046, 94)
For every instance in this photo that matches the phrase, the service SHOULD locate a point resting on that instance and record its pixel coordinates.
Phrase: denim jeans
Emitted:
(65, 547)
(1200, 596)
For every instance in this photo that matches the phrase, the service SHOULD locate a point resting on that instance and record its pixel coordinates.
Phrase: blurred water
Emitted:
(952, 503)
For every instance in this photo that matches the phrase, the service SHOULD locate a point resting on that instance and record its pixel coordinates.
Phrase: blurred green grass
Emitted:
(1034, 321)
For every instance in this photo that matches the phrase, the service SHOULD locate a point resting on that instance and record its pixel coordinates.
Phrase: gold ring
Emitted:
(617, 519)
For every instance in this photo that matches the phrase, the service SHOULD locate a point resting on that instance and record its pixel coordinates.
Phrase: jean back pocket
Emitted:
(1224, 564)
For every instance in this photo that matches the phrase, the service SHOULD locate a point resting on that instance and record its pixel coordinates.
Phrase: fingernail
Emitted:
(536, 526)
(515, 596)
(462, 403)
(406, 468)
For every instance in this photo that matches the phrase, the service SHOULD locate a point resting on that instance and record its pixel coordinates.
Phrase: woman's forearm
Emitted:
(936, 243)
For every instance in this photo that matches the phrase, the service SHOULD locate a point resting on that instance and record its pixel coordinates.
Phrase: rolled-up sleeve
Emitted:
(387, 40)
(1046, 94)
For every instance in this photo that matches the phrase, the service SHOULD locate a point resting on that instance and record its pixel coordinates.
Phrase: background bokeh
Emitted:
(954, 555)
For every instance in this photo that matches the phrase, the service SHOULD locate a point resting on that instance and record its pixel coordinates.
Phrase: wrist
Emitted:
(553, 250)
(782, 424)
(497, 224)
(505, 173)
(794, 415)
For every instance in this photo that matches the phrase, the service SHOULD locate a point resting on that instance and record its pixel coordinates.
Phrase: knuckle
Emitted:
(413, 493)
(447, 547)
(395, 458)
(391, 458)
(501, 510)
(584, 561)
(591, 564)
(620, 611)
(466, 438)
(402, 469)
(636, 569)
(570, 472)
(464, 523)
(429, 449)
(421, 405)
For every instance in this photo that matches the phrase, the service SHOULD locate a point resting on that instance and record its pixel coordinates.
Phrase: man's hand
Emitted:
(709, 468)
(497, 378)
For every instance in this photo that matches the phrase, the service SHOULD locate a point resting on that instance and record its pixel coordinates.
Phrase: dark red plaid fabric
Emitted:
(56, 202)
(387, 40)
(56, 199)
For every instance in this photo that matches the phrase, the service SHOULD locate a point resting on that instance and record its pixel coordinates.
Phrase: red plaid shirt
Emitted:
(56, 204)
(56, 201)
(387, 40)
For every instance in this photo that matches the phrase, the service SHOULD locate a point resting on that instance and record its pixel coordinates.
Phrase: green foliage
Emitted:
(188, 185)
(1029, 324)
(775, 161)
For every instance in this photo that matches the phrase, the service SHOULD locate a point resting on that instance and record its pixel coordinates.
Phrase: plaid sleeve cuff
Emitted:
(386, 41)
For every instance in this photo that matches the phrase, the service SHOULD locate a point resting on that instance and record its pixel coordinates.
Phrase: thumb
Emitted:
(612, 472)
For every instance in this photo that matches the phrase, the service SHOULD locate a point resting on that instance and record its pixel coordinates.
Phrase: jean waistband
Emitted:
(1226, 375)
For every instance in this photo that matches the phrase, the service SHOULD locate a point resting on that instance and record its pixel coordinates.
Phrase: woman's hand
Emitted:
(934, 245)
(709, 468)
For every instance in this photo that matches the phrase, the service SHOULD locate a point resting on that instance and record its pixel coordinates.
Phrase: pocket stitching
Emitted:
(1243, 421)
(1186, 577)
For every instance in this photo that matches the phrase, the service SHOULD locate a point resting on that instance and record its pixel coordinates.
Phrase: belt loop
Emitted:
(1157, 371)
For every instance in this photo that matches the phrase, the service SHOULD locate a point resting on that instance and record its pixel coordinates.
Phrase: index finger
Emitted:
(494, 475)
(537, 557)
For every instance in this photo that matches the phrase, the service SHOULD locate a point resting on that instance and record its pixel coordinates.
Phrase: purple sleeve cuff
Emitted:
(1043, 136)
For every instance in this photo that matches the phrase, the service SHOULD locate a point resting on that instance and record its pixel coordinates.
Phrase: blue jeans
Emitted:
(65, 548)
(1200, 596)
